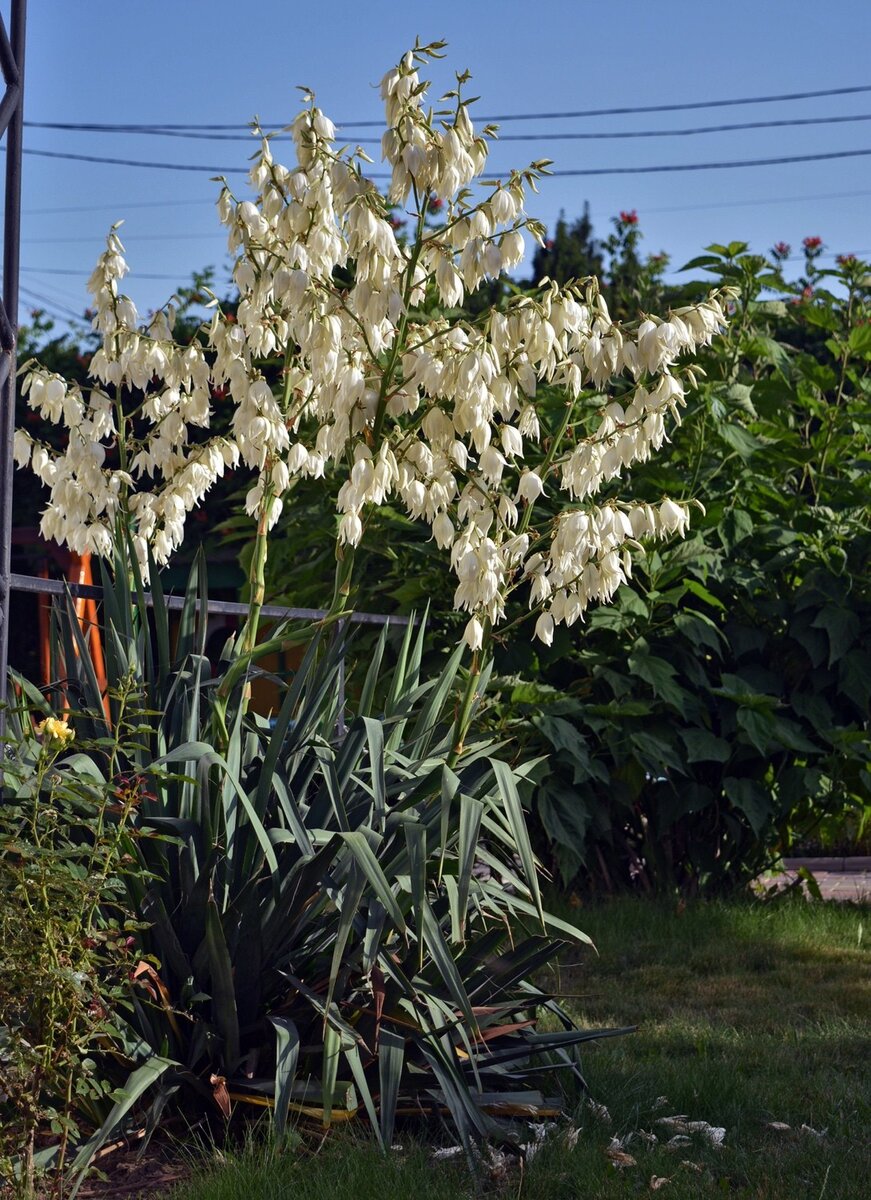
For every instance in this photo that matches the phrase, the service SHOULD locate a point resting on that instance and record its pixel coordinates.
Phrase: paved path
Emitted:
(837, 878)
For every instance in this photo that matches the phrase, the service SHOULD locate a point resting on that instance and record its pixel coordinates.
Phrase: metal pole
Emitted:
(12, 64)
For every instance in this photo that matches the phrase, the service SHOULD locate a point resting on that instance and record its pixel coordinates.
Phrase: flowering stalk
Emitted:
(382, 382)
(256, 579)
(471, 694)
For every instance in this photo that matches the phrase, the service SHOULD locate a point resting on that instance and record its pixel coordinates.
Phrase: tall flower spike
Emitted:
(346, 354)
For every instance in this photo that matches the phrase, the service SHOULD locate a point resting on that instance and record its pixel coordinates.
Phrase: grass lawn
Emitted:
(748, 1014)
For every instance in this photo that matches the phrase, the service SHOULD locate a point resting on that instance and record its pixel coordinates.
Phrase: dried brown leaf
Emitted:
(620, 1158)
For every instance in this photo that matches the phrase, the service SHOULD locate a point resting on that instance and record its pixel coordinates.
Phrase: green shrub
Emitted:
(67, 935)
(335, 921)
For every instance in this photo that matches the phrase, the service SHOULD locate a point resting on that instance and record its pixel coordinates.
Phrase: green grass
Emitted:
(747, 1014)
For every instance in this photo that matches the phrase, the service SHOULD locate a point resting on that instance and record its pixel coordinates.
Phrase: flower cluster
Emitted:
(379, 378)
(55, 730)
(130, 449)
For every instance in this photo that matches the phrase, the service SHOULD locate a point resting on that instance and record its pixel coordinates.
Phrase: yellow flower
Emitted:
(56, 730)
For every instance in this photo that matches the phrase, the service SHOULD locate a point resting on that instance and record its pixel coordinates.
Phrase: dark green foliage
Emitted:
(67, 935)
(718, 712)
(572, 252)
(333, 916)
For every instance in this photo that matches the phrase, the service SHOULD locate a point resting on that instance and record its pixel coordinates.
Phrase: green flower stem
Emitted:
(547, 463)
(257, 577)
(471, 695)
(399, 343)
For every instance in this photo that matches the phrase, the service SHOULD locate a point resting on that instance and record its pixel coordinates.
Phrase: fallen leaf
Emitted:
(678, 1142)
(447, 1152)
(599, 1111)
(714, 1134)
(620, 1159)
(571, 1135)
(220, 1094)
(659, 1181)
(540, 1132)
(817, 1133)
(697, 1167)
(498, 1166)
(780, 1126)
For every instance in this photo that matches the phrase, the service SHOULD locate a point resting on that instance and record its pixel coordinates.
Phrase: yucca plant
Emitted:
(343, 917)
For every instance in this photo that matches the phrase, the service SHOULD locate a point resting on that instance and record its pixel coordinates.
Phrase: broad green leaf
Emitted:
(355, 1062)
(655, 751)
(660, 675)
(702, 593)
(703, 746)
(375, 739)
(204, 753)
(348, 906)
(751, 799)
(767, 349)
(371, 868)
(391, 1057)
(735, 526)
(760, 727)
(137, 1084)
(842, 625)
(330, 1070)
(223, 989)
(565, 816)
(517, 821)
(701, 260)
(471, 811)
(286, 1059)
(859, 341)
(789, 734)
(699, 629)
(741, 440)
(445, 964)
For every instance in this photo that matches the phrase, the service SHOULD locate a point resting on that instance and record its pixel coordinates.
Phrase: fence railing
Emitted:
(224, 608)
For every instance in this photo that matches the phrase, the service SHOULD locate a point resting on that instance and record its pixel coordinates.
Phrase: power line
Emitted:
(753, 203)
(124, 205)
(60, 309)
(597, 135)
(130, 162)
(134, 237)
(85, 272)
(550, 116)
(34, 212)
(715, 166)
(584, 171)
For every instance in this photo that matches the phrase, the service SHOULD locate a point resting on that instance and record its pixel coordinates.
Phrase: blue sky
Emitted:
(222, 62)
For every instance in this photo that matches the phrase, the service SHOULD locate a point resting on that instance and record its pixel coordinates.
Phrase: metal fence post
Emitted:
(11, 118)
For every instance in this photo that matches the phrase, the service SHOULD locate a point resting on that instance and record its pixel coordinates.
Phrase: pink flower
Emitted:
(812, 243)
(781, 250)
(629, 218)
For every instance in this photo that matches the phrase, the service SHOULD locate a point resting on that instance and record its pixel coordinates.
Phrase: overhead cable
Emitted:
(596, 135)
(534, 116)
(124, 205)
(582, 171)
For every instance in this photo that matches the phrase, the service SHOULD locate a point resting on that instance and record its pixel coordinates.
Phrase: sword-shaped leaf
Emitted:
(286, 1059)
